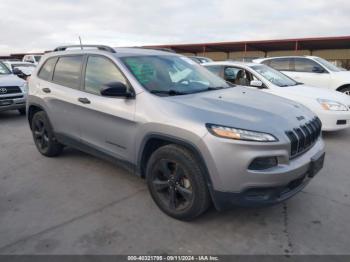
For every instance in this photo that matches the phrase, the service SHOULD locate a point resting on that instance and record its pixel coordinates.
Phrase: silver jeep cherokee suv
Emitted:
(195, 138)
(13, 91)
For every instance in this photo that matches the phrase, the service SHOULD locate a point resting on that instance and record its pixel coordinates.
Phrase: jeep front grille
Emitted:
(304, 137)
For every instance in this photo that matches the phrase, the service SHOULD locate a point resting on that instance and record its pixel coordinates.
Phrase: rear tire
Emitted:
(44, 137)
(176, 182)
(22, 111)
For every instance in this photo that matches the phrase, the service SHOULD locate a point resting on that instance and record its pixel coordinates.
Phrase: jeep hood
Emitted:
(243, 108)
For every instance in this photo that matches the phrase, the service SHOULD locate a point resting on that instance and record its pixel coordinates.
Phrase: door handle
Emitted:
(46, 90)
(84, 100)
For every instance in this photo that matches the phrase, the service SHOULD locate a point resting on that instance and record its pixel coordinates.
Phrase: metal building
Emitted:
(334, 49)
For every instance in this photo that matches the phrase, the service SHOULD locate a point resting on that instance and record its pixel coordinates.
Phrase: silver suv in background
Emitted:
(195, 138)
(13, 91)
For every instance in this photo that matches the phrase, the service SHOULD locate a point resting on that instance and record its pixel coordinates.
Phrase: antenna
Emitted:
(81, 45)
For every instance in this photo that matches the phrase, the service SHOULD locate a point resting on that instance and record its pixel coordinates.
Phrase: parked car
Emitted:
(13, 91)
(195, 138)
(312, 71)
(333, 108)
(21, 69)
(34, 59)
(200, 59)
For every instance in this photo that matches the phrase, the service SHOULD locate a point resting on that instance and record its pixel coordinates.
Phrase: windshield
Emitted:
(329, 65)
(274, 76)
(37, 58)
(172, 75)
(4, 70)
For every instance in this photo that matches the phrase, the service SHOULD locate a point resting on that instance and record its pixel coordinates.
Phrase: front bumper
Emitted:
(14, 102)
(263, 196)
(232, 183)
(335, 120)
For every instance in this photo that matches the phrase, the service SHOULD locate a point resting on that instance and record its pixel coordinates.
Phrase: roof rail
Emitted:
(99, 47)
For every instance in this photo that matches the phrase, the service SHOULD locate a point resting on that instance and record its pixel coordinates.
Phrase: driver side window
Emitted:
(99, 72)
(237, 76)
(307, 66)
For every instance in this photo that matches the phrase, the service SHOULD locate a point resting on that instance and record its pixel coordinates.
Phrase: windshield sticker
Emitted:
(144, 72)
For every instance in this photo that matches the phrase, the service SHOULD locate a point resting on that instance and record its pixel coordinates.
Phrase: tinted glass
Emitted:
(67, 71)
(306, 65)
(231, 73)
(47, 68)
(237, 76)
(37, 58)
(214, 69)
(282, 64)
(101, 71)
(172, 74)
(4, 70)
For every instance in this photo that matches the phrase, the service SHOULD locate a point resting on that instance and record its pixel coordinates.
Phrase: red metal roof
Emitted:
(339, 42)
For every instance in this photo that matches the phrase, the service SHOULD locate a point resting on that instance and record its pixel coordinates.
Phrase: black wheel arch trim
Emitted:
(29, 115)
(342, 87)
(179, 141)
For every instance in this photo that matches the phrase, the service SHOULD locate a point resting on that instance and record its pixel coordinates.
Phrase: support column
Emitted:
(296, 46)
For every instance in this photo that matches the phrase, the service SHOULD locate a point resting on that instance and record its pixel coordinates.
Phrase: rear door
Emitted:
(285, 65)
(60, 88)
(107, 123)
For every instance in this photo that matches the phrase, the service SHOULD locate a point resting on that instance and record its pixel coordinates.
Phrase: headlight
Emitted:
(25, 87)
(332, 105)
(240, 134)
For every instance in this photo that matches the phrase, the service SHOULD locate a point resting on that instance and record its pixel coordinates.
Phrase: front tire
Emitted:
(44, 137)
(176, 182)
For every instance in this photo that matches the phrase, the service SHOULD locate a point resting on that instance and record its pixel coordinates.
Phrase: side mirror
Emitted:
(317, 69)
(116, 89)
(256, 83)
(16, 71)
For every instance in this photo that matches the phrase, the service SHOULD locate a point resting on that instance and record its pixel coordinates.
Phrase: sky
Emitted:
(38, 25)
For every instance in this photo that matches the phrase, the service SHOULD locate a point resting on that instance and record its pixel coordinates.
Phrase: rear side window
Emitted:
(67, 71)
(215, 69)
(99, 72)
(281, 64)
(47, 69)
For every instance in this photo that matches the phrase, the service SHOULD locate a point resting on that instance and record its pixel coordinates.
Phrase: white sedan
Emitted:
(333, 108)
(311, 70)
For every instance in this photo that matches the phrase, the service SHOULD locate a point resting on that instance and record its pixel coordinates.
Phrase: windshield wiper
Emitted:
(210, 88)
(170, 92)
(214, 88)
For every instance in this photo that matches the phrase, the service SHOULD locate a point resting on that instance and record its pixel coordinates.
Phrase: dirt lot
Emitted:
(77, 204)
